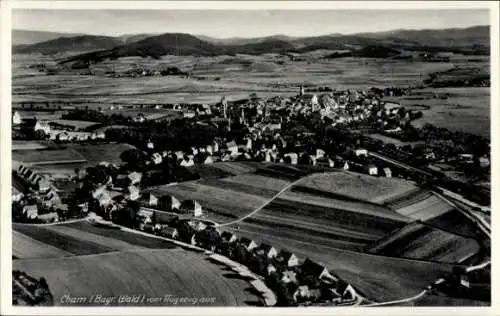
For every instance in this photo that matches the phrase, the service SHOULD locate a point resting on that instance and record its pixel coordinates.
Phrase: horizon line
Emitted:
(270, 35)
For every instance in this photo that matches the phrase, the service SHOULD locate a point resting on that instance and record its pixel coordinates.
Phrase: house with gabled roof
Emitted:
(30, 211)
(266, 250)
(287, 258)
(228, 237)
(191, 207)
(249, 244)
(168, 203)
(316, 270)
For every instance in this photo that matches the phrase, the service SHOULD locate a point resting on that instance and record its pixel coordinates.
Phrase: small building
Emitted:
(228, 237)
(232, 147)
(150, 199)
(50, 217)
(191, 207)
(135, 178)
(484, 162)
(249, 244)
(320, 153)
(168, 232)
(292, 157)
(316, 270)
(16, 118)
(287, 259)
(16, 195)
(266, 250)
(157, 158)
(168, 203)
(42, 126)
(361, 152)
(30, 211)
(133, 193)
(371, 169)
(288, 276)
(301, 293)
(187, 161)
(387, 172)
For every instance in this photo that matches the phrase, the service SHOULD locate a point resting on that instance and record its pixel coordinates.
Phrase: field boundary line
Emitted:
(283, 190)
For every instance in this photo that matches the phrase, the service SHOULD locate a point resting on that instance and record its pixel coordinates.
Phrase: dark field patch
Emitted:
(63, 242)
(134, 239)
(418, 241)
(354, 220)
(240, 187)
(330, 195)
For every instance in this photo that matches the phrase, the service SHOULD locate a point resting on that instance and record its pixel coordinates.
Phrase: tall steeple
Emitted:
(224, 106)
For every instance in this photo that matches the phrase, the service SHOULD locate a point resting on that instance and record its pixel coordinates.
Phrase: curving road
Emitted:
(271, 199)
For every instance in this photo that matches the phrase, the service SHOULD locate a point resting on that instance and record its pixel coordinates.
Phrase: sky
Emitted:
(243, 23)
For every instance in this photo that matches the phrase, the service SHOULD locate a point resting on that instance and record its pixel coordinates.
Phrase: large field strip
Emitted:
(48, 156)
(426, 209)
(25, 247)
(237, 203)
(132, 239)
(258, 181)
(239, 187)
(373, 210)
(96, 153)
(379, 278)
(455, 222)
(331, 218)
(154, 273)
(414, 196)
(358, 185)
(417, 241)
(71, 244)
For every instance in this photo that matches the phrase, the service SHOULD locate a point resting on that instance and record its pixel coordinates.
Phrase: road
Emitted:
(399, 164)
(271, 199)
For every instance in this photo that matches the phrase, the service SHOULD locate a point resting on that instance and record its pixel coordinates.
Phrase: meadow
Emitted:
(122, 263)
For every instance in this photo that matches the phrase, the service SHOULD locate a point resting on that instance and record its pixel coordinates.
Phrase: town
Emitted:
(352, 130)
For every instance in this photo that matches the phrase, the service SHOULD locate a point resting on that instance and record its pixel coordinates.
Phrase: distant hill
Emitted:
(370, 51)
(473, 40)
(65, 44)
(27, 37)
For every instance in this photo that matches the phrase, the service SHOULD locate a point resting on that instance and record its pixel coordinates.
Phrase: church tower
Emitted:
(301, 91)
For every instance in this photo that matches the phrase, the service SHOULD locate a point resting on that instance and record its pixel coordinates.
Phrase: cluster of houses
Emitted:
(56, 131)
(296, 282)
(42, 202)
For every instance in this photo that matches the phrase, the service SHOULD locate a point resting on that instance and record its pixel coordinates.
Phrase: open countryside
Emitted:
(177, 169)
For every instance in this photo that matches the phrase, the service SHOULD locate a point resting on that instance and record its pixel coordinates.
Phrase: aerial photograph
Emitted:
(255, 158)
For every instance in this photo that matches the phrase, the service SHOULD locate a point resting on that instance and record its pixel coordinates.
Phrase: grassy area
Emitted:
(25, 247)
(152, 273)
(48, 156)
(417, 241)
(66, 243)
(95, 153)
(358, 185)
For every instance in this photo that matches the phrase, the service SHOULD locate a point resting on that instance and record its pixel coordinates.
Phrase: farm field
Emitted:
(95, 153)
(378, 278)
(129, 265)
(243, 74)
(391, 140)
(418, 241)
(426, 209)
(77, 124)
(374, 189)
(25, 247)
(27, 145)
(37, 157)
(465, 109)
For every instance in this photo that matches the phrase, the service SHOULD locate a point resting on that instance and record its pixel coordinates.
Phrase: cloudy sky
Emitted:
(243, 23)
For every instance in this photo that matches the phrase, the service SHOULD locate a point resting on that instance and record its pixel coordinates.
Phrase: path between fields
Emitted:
(288, 186)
